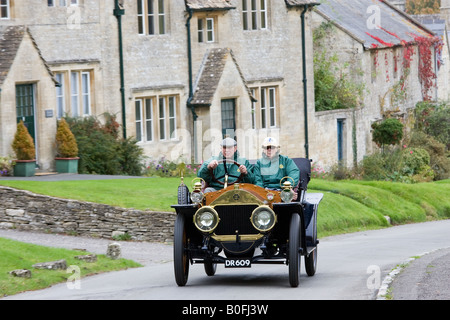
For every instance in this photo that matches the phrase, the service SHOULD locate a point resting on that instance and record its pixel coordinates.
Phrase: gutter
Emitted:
(305, 81)
(191, 86)
(119, 12)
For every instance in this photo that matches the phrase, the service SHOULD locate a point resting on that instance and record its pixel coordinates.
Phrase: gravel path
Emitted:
(145, 253)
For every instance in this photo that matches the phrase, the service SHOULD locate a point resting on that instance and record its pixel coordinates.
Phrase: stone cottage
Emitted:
(27, 92)
(378, 46)
(179, 75)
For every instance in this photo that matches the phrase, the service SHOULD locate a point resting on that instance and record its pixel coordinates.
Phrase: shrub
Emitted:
(66, 144)
(23, 144)
(100, 150)
(6, 166)
(388, 132)
(439, 162)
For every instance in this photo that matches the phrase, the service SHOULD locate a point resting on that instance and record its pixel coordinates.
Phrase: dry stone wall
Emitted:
(24, 210)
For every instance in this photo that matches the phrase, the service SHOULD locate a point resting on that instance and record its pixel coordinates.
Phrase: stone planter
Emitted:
(67, 165)
(25, 168)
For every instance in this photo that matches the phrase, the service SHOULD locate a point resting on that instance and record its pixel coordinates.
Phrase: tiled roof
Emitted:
(10, 40)
(210, 75)
(209, 4)
(357, 18)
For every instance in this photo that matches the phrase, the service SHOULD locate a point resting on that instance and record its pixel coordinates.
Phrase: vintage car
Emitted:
(244, 224)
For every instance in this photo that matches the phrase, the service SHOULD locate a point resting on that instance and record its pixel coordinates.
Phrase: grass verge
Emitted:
(18, 255)
(347, 205)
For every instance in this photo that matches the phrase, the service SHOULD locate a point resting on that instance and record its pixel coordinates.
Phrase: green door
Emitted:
(25, 107)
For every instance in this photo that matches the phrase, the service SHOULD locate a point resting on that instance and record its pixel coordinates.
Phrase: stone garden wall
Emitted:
(24, 210)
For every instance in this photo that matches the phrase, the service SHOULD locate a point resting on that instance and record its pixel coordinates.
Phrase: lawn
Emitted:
(17, 255)
(347, 205)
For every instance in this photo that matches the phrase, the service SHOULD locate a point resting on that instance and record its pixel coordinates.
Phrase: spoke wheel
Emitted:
(180, 252)
(294, 254)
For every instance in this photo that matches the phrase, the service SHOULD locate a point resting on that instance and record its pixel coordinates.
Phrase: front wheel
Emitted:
(180, 252)
(294, 254)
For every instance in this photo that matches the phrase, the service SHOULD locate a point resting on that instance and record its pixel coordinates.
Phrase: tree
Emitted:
(23, 144)
(388, 132)
(66, 144)
(423, 6)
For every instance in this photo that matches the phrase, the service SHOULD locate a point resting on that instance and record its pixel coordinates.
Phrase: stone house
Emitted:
(377, 45)
(27, 91)
(179, 75)
(193, 71)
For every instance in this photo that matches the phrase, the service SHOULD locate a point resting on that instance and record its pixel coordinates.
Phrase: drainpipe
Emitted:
(191, 89)
(119, 12)
(305, 81)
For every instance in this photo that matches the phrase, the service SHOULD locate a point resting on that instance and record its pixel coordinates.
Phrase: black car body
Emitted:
(243, 224)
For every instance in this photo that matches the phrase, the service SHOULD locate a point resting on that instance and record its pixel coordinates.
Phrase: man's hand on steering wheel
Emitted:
(215, 163)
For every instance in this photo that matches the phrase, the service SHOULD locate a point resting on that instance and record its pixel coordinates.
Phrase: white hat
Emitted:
(228, 142)
(270, 141)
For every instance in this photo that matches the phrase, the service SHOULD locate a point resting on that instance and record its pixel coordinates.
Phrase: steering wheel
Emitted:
(216, 179)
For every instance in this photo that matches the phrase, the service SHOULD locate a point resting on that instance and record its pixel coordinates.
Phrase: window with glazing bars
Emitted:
(151, 17)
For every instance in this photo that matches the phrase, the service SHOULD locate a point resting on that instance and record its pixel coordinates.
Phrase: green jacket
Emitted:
(219, 172)
(269, 172)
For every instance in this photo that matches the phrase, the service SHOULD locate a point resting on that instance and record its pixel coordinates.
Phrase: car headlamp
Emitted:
(206, 219)
(263, 218)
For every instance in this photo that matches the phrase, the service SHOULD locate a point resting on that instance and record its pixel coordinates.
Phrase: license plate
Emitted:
(238, 263)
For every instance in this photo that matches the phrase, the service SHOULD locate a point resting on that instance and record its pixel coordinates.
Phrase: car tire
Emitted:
(311, 263)
(294, 254)
(180, 252)
(210, 267)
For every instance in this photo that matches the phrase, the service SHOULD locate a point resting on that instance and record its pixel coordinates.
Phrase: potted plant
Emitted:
(66, 149)
(23, 146)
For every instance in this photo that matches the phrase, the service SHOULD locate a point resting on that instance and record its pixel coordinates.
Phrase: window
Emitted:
(165, 114)
(254, 14)
(265, 110)
(151, 17)
(60, 99)
(62, 3)
(253, 110)
(76, 86)
(206, 30)
(4, 9)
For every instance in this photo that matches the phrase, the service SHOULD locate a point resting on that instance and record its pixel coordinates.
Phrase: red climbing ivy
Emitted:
(426, 70)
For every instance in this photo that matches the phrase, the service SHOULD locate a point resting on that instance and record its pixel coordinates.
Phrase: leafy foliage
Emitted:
(388, 132)
(422, 6)
(100, 150)
(23, 144)
(334, 89)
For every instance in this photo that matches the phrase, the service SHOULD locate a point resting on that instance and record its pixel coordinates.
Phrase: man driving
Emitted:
(215, 170)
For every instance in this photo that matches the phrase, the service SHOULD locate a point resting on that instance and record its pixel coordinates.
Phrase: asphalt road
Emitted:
(350, 267)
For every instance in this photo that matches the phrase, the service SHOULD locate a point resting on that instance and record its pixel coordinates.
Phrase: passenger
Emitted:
(272, 167)
(230, 153)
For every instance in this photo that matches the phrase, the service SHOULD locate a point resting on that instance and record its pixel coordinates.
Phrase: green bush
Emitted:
(100, 150)
(23, 144)
(439, 161)
(388, 132)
